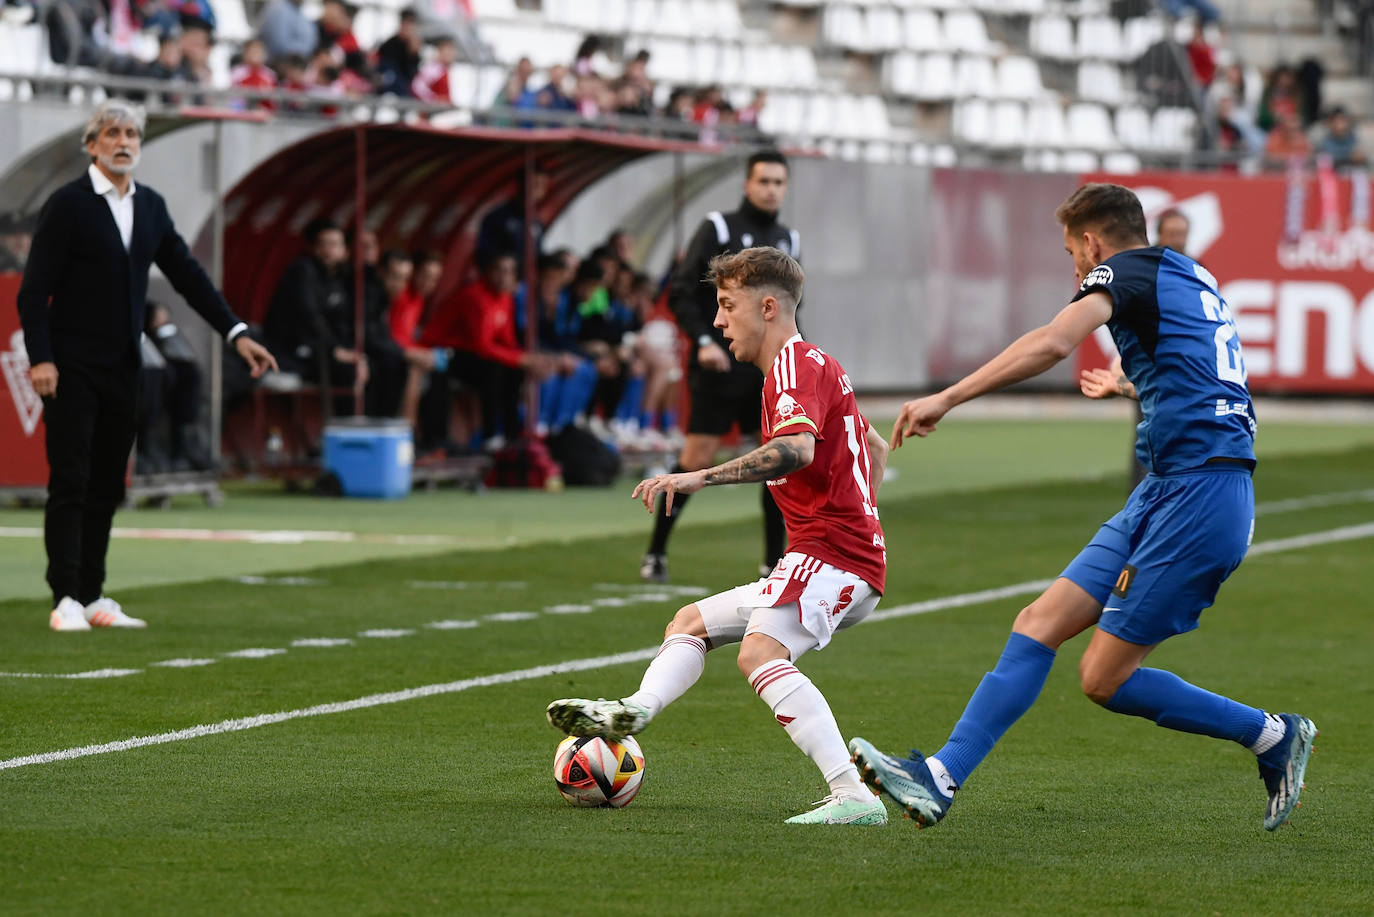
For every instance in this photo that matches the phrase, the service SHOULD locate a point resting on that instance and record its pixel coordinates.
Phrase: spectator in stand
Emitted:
(1235, 134)
(605, 321)
(749, 114)
(197, 41)
(516, 93)
(16, 235)
(582, 60)
(1244, 85)
(335, 30)
(253, 72)
(680, 104)
(503, 227)
(657, 347)
(637, 72)
(631, 99)
(1202, 56)
(295, 75)
(431, 82)
(310, 320)
(286, 31)
(1338, 139)
(1280, 96)
(475, 332)
(398, 58)
(168, 64)
(554, 96)
(566, 392)
(386, 359)
(1286, 141)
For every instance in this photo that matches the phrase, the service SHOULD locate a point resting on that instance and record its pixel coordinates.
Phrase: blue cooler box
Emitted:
(371, 456)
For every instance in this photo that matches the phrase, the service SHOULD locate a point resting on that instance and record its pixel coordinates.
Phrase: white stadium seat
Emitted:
(1138, 34)
(1052, 37)
(231, 22)
(901, 73)
(1121, 163)
(1018, 77)
(1173, 128)
(883, 27)
(921, 30)
(1045, 125)
(974, 76)
(1133, 128)
(1078, 161)
(973, 122)
(937, 77)
(1099, 38)
(1008, 125)
(1090, 126)
(1100, 81)
(964, 31)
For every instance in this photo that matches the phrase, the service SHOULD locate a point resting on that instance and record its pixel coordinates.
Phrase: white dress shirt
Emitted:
(121, 208)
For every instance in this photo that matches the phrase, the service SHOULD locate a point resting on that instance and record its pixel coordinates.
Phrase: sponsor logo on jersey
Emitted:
(817, 356)
(1098, 276)
(27, 404)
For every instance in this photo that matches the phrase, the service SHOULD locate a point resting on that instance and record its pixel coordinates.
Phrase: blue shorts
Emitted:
(1158, 563)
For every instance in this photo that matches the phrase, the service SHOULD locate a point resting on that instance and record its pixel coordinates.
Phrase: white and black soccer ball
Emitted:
(591, 771)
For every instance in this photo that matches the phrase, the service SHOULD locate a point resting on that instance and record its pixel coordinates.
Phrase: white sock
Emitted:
(679, 663)
(943, 781)
(1270, 735)
(801, 709)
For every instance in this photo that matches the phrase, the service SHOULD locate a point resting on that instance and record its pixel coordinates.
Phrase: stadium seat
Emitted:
(1138, 34)
(726, 16)
(883, 29)
(1100, 81)
(6, 90)
(1099, 38)
(921, 30)
(674, 18)
(801, 66)
(1133, 128)
(493, 9)
(1090, 126)
(974, 76)
(1008, 125)
(843, 27)
(220, 55)
(937, 77)
(1079, 161)
(1045, 125)
(873, 113)
(901, 73)
(1018, 78)
(642, 16)
(964, 30)
(1121, 163)
(1173, 128)
(231, 22)
(820, 116)
(1041, 161)
(704, 62)
(462, 85)
(1052, 37)
(372, 25)
(730, 65)
(973, 122)
(610, 16)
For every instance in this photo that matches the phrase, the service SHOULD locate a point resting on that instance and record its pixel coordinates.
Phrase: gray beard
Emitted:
(115, 167)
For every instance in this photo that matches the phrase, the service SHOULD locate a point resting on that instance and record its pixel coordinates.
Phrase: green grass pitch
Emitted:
(445, 803)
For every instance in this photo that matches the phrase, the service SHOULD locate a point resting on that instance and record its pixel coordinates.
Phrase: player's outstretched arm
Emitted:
(877, 460)
(1028, 356)
(775, 458)
(1106, 383)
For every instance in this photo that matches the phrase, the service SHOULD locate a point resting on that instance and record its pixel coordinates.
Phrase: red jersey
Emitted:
(478, 321)
(404, 316)
(828, 505)
(431, 83)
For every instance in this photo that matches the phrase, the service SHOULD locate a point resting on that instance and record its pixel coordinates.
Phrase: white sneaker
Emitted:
(105, 612)
(68, 615)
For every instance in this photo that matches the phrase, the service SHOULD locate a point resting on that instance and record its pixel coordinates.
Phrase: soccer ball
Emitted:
(592, 771)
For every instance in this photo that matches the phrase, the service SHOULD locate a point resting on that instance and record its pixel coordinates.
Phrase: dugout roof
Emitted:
(425, 188)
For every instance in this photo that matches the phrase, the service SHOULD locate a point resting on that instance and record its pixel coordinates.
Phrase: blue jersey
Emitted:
(1179, 348)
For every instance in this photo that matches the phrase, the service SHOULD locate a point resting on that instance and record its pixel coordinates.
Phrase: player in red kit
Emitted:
(823, 462)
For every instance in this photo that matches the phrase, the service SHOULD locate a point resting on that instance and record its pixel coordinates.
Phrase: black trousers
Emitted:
(89, 428)
(498, 388)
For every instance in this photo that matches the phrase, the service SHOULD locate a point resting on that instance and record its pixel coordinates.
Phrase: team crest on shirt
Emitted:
(1098, 276)
(787, 409)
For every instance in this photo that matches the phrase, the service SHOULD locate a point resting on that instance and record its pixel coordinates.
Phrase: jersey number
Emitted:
(1230, 364)
(858, 447)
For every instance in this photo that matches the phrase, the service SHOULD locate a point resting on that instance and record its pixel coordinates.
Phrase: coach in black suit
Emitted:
(82, 305)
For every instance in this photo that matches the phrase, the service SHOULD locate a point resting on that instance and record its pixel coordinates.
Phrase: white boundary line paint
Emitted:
(1348, 533)
(1298, 503)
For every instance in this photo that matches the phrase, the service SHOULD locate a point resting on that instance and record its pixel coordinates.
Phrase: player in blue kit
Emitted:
(1153, 567)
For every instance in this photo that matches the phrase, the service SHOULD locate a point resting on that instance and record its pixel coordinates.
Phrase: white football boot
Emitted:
(68, 615)
(105, 612)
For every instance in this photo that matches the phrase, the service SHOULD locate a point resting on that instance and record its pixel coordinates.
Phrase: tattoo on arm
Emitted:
(771, 460)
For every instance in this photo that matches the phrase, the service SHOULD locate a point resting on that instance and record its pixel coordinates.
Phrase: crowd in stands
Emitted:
(1265, 121)
(604, 358)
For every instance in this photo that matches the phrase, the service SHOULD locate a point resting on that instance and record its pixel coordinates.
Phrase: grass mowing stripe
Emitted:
(1345, 533)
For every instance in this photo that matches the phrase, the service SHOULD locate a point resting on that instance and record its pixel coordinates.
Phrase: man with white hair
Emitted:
(82, 304)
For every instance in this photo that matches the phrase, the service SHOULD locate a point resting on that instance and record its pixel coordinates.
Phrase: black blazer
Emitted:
(83, 296)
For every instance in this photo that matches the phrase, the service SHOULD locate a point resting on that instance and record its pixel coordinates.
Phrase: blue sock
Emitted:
(1002, 697)
(548, 400)
(631, 399)
(1174, 704)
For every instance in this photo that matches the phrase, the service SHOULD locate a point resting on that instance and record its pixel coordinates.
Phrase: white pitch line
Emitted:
(94, 673)
(1297, 503)
(1348, 533)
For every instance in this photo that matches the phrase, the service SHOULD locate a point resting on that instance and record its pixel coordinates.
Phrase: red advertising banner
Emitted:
(23, 460)
(1294, 259)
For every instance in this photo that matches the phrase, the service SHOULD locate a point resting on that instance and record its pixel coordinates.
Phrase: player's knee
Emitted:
(755, 652)
(686, 621)
(1098, 684)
